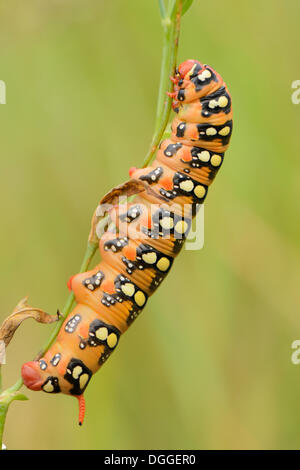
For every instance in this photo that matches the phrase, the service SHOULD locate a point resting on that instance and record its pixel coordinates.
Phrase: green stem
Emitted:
(171, 27)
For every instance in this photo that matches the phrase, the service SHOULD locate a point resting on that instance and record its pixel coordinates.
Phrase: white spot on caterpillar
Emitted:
(204, 156)
(187, 185)
(102, 333)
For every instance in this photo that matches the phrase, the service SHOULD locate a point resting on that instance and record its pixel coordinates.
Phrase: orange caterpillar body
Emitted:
(150, 233)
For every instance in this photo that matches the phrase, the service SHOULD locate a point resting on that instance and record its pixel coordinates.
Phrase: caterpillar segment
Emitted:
(148, 234)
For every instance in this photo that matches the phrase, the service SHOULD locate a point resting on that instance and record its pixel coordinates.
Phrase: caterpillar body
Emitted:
(137, 258)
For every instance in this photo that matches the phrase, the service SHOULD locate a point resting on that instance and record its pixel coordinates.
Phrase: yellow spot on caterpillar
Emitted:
(186, 185)
(204, 156)
(223, 101)
(140, 298)
(90, 287)
(224, 131)
(128, 289)
(48, 387)
(200, 191)
(102, 333)
(216, 160)
(181, 226)
(211, 131)
(192, 69)
(83, 380)
(167, 223)
(76, 372)
(112, 340)
(163, 264)
(149, 258)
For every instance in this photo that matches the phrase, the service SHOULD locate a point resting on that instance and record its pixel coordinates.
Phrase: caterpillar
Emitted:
(147, 235)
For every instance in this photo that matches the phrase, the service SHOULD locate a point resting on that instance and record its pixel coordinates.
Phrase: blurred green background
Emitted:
(208, 363)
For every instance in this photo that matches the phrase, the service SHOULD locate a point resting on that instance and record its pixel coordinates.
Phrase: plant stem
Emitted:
(171, 27)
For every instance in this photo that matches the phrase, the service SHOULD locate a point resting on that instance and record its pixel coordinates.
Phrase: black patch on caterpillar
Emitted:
(172, 149)
(180, 82)
(181, 94)
(116, 245)
(196, 161)
(51, 380)
(43, 364)
(103, 337)
(82, 343)
(132, 214)
(72, 324)
(55, 359)
(202, 128)
(143, 251)
(75, 381)
(207, 111)
(179, 179)
(153, 176)
(93, 282)
(121, 285)
(181, 129)
(176, 110)
(104, 356)
(199, 84)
